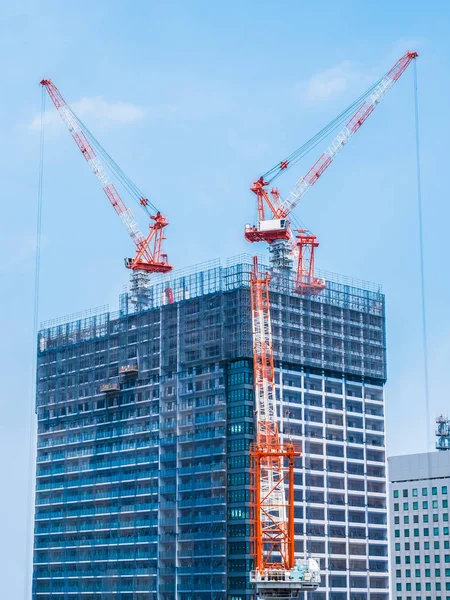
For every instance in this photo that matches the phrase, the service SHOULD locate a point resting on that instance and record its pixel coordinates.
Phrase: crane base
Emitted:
(281, 584)
(255, 235)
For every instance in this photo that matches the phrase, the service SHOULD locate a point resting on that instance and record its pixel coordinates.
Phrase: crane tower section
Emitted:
(276, 574)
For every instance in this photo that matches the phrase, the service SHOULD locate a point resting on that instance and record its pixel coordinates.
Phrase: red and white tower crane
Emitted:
(276, 574)
(149, 257)
(273, 226)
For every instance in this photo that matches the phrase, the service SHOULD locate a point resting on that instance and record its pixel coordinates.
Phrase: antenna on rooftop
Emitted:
(442, 433)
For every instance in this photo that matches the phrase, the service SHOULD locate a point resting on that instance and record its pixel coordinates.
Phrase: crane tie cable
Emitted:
(31, 445)
(421, 258)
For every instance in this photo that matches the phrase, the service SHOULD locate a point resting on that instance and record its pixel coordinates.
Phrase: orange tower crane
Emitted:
(276, 573)
(149, 256)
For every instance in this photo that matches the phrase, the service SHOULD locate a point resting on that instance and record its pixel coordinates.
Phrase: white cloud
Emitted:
(98, 108)
(327, 83)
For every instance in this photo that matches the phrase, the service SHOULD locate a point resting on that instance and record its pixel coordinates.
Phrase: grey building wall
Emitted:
(419, 487)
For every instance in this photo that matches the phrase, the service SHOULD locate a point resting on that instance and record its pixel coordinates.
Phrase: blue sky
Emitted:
(193, 99)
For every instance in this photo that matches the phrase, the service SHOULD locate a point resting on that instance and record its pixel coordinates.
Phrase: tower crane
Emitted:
(149, 257)
(276, 573)
(273, 226)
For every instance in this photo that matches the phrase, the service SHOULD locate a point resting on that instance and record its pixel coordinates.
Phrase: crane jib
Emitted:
(149, 256)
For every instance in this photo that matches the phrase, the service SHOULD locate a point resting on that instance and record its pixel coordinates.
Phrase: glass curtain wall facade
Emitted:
(144, 424)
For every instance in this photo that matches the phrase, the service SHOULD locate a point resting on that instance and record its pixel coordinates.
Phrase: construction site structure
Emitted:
(273, 226)
(442, 433)
(149, 257)
(143, 487)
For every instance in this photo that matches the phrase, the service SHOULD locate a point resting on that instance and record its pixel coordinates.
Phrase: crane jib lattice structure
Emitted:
(149, 256)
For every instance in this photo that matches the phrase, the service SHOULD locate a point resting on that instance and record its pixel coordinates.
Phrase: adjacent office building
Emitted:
(419, 526)
(145, 417)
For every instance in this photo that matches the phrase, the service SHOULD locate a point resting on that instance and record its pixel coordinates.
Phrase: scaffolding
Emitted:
(354, 309)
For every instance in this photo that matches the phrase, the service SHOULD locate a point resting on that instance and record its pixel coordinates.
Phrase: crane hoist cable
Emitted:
(422, 262)
(36, 297)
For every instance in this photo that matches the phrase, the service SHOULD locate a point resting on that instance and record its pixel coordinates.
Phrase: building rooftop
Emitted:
(216, 276)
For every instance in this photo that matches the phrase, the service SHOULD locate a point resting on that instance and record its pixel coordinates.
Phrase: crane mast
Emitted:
(273, 226)
(149, 256)
(276, 574)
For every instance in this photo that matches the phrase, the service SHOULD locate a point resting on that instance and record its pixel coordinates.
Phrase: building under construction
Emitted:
(145, 419)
